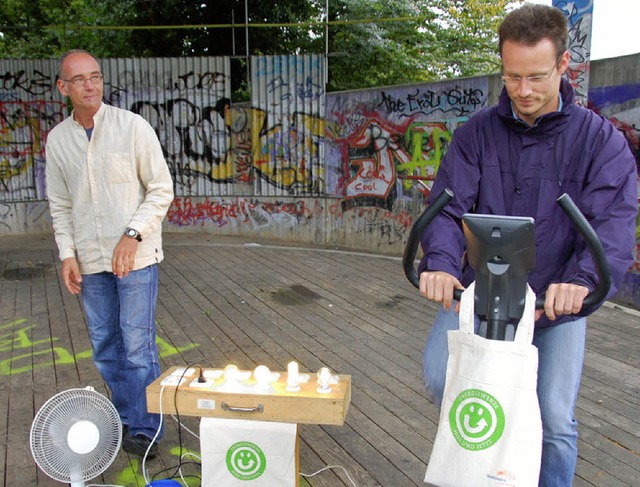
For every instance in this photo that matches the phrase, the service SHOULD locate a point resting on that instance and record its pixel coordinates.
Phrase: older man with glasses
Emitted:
(109, 189)
(517, 158)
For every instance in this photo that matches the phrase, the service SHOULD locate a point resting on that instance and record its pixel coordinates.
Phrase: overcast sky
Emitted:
(614, 31)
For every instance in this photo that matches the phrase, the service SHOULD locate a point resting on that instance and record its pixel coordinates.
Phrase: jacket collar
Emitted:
(550, 122)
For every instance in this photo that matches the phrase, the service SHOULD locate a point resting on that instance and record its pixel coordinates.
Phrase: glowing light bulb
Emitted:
(324, 379)
(262, 375)
(231, 373)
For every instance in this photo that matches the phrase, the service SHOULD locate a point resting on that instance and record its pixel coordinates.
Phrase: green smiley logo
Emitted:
(245, 460)
(476, 419)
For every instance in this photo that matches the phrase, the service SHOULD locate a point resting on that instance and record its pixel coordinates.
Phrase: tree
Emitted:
(370, 42)
(34, 29)
(225, 41)
(443, 39)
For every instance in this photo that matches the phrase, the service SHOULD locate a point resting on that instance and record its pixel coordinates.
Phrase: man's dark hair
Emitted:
(531, 23)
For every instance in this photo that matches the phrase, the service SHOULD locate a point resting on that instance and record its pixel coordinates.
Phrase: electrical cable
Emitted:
(312, 23)
(305, 475)
(144, 459)
(181, 425)
(178, 468)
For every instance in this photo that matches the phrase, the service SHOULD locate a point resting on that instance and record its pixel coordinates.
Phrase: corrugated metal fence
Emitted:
(368, 147)
(271, 148)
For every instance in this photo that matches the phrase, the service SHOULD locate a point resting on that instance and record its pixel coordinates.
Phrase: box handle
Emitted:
(237, 409)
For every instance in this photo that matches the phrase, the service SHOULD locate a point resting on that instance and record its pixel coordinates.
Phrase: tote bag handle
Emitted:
(524, 331)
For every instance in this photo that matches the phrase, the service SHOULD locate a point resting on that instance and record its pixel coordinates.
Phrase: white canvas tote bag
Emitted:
(490, 431)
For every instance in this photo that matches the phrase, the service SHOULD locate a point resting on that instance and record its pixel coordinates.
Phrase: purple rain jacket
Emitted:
(497, 164)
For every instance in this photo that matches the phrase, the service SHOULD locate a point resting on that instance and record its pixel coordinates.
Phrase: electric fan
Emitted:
(75, 436)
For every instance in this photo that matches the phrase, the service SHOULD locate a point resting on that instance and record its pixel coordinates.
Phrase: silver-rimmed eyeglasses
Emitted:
(95, 79)
(534, 79)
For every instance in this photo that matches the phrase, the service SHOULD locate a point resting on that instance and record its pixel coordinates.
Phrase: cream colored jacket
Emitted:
(98, 188)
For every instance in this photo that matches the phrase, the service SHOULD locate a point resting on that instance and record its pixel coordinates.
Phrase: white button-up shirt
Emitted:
(99, 187)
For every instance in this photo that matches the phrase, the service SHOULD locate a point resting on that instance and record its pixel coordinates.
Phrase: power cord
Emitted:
(177, 470)
(309, 475)
(181, 425)
(144, 459)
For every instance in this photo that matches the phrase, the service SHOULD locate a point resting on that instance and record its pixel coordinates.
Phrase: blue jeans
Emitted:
(120, 317)
(560, 358)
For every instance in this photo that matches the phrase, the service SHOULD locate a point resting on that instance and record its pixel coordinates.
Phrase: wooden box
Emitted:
(245, 398)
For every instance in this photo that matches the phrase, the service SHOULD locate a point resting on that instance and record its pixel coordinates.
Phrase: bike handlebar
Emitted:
(568, 206)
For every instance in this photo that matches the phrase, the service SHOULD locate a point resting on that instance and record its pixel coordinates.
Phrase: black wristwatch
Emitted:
(133, 233)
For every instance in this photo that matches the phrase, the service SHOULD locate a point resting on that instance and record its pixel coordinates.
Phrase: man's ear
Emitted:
(564, 61)
(62, 87)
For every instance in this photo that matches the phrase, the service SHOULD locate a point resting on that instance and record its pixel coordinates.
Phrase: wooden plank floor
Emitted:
(224, 300)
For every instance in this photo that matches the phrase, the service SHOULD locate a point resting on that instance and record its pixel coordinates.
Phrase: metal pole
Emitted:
(246, 29)
(233, 32)
(326, 43)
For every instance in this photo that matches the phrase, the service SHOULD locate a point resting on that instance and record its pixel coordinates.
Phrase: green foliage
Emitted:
(47, 28)
(448, 38)
(370, 42)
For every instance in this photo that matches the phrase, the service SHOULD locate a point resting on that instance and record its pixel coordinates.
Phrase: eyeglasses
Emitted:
(534, 79)
(95, 79)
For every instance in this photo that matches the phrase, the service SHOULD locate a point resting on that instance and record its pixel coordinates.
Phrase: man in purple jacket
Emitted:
(517, 158)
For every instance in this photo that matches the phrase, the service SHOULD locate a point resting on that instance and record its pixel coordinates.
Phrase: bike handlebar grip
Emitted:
(595, 247)
(415, 235)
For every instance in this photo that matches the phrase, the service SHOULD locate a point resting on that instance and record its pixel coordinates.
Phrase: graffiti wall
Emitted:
(295, 163)
(384, 147)
(27, 114)
(621, 105)
(186, 100)
(382, 143)
(579, 15)
(288, 102)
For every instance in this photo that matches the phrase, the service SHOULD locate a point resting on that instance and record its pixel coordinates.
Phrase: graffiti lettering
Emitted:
(23, 129)
(167, 80)
(241, 211)
(456, 101)
(36, 83)
(389, 226)
(579, 14)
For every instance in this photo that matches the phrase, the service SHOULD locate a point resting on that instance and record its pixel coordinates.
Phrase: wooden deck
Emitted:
(223, 300)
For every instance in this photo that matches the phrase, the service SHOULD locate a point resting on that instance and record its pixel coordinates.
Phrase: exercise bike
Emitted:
(501, 251)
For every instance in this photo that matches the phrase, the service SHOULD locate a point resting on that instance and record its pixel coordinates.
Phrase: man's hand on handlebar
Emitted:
(438, 286)
(563, 299)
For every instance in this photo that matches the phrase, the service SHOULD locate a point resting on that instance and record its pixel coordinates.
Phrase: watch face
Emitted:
(132, 233)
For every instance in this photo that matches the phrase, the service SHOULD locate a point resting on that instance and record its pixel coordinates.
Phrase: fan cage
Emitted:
(51, 426)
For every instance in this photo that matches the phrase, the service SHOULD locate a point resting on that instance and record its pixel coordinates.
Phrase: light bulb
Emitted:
(292, 371)
(324, 379)
(262, 375)
(293, 377)
(231, 373)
